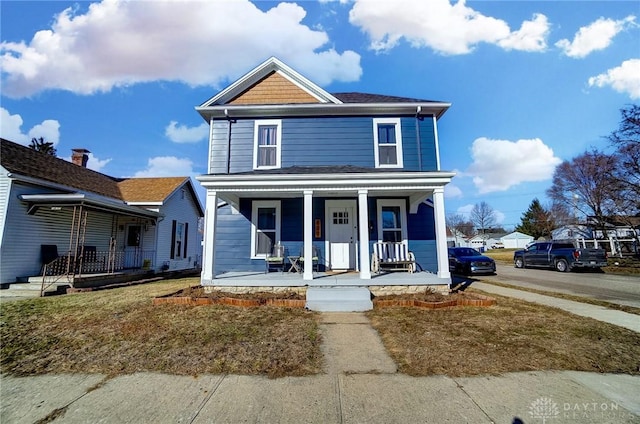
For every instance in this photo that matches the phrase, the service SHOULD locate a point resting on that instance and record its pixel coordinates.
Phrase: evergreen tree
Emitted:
(42, 146)
(536, 221)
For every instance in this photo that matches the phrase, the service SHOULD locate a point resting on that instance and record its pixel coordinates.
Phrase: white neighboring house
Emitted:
(482, 242)
(516, 240)
(52, 210)
(572, 232)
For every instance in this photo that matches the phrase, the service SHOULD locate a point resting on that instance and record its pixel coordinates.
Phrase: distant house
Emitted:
(58, 212)
(621, 227)
(329, 176)
(516, 240)
(572, 232)
(485, 241)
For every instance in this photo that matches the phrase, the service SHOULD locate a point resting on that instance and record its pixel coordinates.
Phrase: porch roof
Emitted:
(78, 199)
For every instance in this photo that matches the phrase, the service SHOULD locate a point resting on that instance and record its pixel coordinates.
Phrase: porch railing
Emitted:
(94, 262)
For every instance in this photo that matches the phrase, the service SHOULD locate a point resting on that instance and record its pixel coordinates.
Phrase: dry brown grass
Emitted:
(119, 332)
(511, 336)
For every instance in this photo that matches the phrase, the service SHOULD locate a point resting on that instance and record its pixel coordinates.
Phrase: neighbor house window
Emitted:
(267, 144)
(179, 234)
(392, 224)
(265, 227)
(388, 142)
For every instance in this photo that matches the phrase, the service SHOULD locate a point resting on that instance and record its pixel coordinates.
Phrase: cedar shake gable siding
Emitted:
(21, 160)
(273, 89)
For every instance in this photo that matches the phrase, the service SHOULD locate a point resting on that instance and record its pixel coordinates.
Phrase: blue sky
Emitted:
(532, 83)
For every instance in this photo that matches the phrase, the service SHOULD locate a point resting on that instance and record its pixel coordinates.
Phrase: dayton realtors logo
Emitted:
(544, 408)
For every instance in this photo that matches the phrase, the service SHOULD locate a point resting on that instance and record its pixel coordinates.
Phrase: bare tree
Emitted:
(459, 226)
(483, 217)
(584, 185)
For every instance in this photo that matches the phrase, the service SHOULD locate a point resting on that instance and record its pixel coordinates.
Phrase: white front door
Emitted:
(341, 231)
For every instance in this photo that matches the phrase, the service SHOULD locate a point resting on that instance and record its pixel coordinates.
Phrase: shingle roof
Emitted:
(24, 161)
(21, 160)
(149, 189)
(354, 97)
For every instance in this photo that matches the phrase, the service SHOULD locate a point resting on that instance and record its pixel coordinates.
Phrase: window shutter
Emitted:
(186, 237)
(173, 239)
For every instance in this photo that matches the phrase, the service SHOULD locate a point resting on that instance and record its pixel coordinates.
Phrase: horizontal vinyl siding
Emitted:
(185, 211)
(410, 144)
(20, 252)
(313, 141)
(241, 146)
(327, 141)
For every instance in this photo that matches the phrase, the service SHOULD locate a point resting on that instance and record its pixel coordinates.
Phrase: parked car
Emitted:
(465, 260)
(497, 245)
(563, 256)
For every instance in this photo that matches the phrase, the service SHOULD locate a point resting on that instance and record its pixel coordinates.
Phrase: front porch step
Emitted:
(339, 299)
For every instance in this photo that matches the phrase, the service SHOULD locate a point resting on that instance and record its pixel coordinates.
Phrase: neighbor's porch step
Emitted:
(339, 299)
(31, 289)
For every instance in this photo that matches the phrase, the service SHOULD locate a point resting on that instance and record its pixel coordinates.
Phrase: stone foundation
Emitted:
(302, 291)
(390, 290)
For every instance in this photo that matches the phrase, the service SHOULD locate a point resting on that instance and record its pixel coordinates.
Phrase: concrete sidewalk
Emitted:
(359, 384)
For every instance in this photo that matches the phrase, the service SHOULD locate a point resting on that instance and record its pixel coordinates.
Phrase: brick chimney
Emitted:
(80, 157)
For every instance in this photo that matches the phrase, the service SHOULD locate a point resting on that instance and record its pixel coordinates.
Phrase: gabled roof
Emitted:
(273, 89)
(154, 191)
(30, 165)
(26, 162)
(264, 70)
(149, 190)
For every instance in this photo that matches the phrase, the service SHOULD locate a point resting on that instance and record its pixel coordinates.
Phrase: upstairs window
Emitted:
(388, 142)
(267, 143)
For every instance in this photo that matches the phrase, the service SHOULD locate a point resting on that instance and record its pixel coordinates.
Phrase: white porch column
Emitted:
(209, 240)
(363, 226)
(308, 235)
(441, 233)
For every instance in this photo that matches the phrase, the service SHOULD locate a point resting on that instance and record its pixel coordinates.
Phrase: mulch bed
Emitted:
(427, 299)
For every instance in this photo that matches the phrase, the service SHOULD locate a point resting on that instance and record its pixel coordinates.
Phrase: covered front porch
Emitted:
(356, 190)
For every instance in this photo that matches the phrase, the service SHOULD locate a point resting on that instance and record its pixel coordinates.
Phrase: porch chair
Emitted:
(275, 259)
(315, 258)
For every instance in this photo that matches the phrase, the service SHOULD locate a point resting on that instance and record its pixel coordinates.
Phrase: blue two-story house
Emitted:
(324, 175)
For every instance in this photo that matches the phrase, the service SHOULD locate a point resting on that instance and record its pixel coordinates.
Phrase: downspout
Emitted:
(418, 119)
(229, 122)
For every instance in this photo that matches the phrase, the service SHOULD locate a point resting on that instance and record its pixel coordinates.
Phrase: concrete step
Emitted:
(31, 289)
(339, 299)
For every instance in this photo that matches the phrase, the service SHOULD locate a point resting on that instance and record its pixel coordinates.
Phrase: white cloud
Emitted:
(118, 43)
(596, 36)
(95, 163)
(166, 166)
(444, 27)
(531, 37)
(452, 191)
(183, 134)
(465, 211)
(500, 164)
(624, 79)
(11, 129)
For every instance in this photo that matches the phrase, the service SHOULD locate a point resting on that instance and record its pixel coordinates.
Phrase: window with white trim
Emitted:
(265, 227)
(387, 137)
(267, 139)
(392, 222)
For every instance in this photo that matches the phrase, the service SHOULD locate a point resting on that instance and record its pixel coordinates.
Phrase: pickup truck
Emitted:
(563, 256)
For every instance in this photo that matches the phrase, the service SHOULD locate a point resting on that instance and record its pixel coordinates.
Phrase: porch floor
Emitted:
(352, 278)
